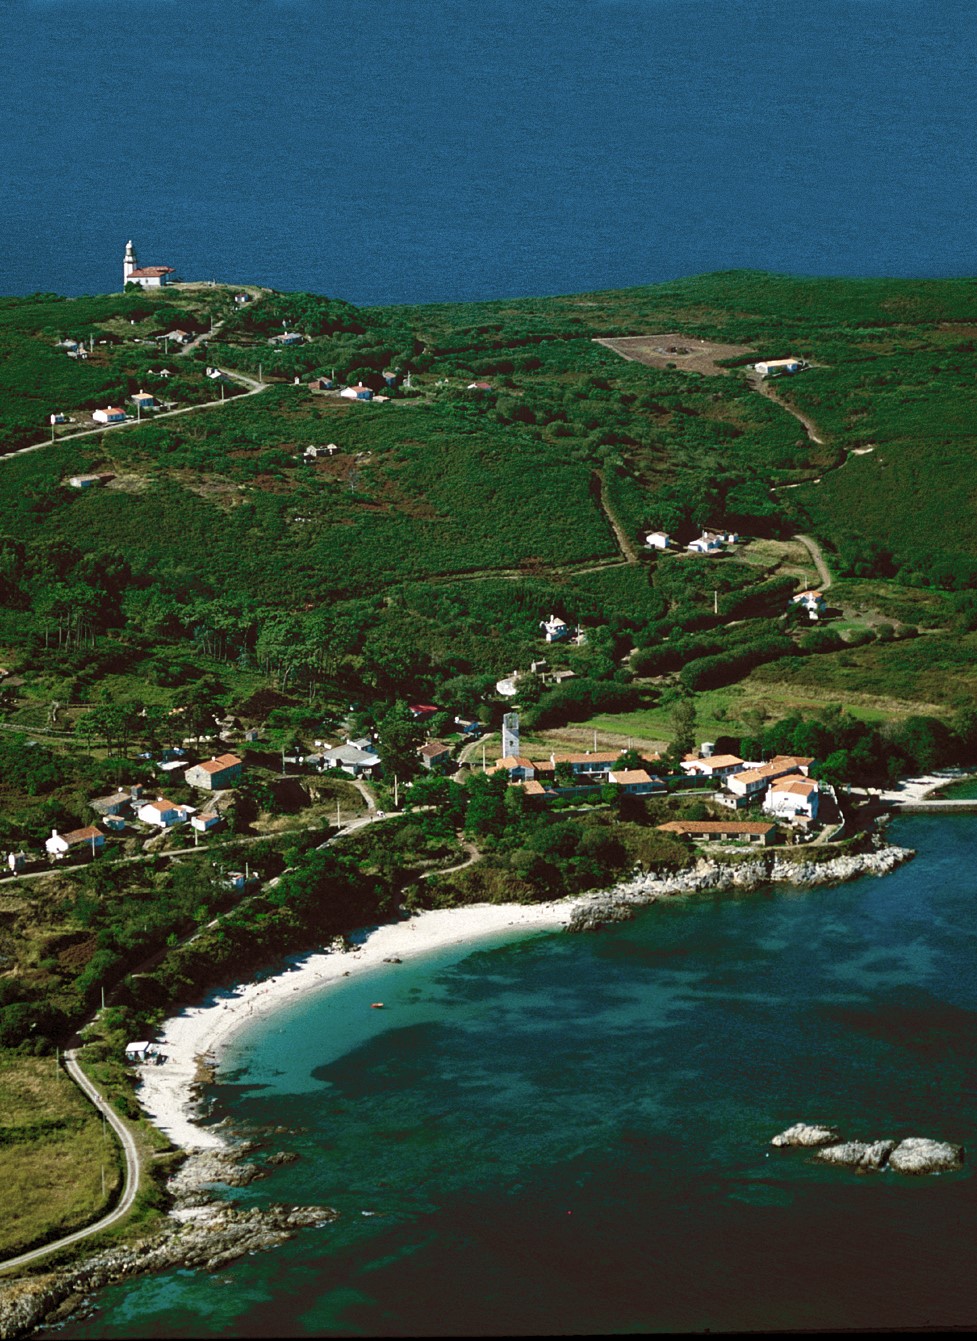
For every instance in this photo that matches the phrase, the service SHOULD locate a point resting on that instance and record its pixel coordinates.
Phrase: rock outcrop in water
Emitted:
(710, 875)
(806, 1134)
(918, 1154)
(915, 1154)
(201, 1231)
(857, 1154)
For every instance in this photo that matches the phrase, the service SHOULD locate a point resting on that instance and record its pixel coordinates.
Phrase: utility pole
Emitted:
(222, 388)
(396, 793)
(260, 375)
(595, 742)
(483, 756)
(338, 821)
(715, 602)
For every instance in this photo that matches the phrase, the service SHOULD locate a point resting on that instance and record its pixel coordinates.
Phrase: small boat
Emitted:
(376, 1005)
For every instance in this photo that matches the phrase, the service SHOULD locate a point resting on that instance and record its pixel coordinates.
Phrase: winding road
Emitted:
(133, 1169)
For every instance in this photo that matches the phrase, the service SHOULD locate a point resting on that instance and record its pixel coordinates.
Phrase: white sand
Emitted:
(198, 1032)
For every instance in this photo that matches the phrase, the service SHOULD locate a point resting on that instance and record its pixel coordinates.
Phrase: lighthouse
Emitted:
(146, 276)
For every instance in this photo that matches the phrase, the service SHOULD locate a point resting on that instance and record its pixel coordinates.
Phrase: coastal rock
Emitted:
(282, 1157)
(919, 1154)
(806, 1134)
(202, 1168)
(857, 1154)
(209, 1241)
(593, 915)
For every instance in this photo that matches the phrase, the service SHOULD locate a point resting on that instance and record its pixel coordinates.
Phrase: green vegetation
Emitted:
(53, 1154)
(223, 571)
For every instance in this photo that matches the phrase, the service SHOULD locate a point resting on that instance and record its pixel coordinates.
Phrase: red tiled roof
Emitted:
(82, 835)
(220, 763)
(150, 271)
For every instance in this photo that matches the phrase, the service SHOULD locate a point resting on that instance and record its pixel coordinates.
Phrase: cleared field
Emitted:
(675, 350)
(52, 1155)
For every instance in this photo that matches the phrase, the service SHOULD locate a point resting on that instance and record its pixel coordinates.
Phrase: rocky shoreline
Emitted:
(201, 1231)
(710, 875)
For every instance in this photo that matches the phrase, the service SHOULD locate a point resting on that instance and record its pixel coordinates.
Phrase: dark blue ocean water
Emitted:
(570, 1134)
(414, 150)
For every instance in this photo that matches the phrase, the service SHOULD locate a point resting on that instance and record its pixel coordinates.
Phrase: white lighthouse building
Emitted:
(149, 276)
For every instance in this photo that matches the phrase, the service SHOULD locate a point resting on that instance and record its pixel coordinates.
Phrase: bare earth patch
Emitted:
(681, 352)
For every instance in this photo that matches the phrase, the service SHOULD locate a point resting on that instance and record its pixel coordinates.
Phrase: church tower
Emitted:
(129, 263)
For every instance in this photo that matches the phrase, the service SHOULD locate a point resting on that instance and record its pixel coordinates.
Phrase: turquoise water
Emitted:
(423, 150)
(570, 1134)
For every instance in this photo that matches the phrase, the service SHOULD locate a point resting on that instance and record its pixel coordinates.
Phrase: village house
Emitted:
(59, 418)
(479, 386)
(793, 798)
(117, 802)
(111, 415)
(588, 765)
(88, 840)
(351, 759)
(751, 782)
(164, 814)
(148, 276)
(143, 400)
(773, 367)
(713, 766)
(322, 384)
(722, 831)
(287, 338)
(519, 768)
(658, 540)
(222, 771)
(242, 298)
(636, 781)
(16, 861)
(811, 601)
(312, 452)
(177, 337)
(85, 481)
(422, 712)
(357, 392)
(206, 820)
(707, 543)
(555, 629)
(435, 755)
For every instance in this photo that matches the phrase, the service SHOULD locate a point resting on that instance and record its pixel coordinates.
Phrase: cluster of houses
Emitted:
(119, 810)
(709, 542)
(787, 791)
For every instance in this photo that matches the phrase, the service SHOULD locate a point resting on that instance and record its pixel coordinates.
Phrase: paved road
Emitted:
(131, 1187)
(252, 383)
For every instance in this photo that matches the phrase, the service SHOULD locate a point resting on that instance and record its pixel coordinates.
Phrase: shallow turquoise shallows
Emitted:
(570, 1134)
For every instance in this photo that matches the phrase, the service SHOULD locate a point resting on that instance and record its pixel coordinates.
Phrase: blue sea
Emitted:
(392, 151)
(570, 1134)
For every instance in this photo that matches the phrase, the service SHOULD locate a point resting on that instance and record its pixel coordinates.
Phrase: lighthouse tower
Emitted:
(129, 263)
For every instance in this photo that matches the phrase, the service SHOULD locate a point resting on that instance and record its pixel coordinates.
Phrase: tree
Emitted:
(683, 726)
(399, 738)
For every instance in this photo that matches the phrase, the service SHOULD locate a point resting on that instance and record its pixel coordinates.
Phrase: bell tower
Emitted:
(129, 263)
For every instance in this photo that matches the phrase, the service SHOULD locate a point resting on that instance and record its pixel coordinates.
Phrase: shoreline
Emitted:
(191, 1039)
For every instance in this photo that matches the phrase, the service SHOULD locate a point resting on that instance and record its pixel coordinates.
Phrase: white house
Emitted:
(793, 797)
(715, 766)
(752, 781)
(555, 629)
(84, 481)
(59, 418)
(89, 839)
(350, 759)
(112, 415)
(775, 366)
(658, 540)
(148, 276)
(205, 821)
(144, 400)
(357, 392)
(164, 813)
(707, 543)
(811, 601)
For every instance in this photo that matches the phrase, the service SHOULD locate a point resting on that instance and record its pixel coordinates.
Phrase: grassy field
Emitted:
(52, 1154)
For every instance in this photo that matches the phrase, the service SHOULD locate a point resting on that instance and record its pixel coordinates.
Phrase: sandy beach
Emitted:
(197, 1034)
